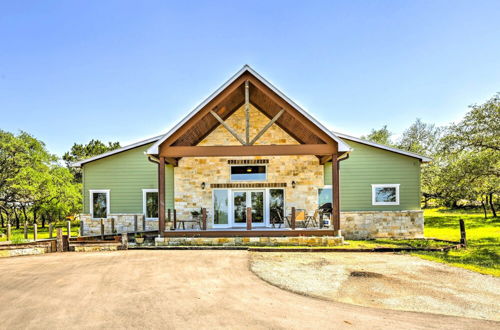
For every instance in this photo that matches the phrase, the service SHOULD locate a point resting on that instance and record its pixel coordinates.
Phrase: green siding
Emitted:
(125, 174)
(369, 165)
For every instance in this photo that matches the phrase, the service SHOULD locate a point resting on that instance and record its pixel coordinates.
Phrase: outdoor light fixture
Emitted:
(203, 185)
(249, 169)
(293, 184)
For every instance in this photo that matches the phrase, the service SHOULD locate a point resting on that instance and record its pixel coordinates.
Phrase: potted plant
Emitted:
(139, 238)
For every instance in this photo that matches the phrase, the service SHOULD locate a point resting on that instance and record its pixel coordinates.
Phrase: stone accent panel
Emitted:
(124, 223)
(215, 171)
(382, 224)
(250, 241)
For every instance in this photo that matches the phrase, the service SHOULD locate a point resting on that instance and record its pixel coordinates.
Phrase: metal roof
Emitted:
(116, 151)
(381, 146)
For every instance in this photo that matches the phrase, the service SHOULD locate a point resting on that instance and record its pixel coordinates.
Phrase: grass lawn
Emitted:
(483, 238)
(18, 234)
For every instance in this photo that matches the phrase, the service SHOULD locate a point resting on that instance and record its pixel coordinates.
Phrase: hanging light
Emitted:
(203, 185)
(294, 184)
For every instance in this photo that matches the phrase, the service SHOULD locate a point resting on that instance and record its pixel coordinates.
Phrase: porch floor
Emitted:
(242, 232)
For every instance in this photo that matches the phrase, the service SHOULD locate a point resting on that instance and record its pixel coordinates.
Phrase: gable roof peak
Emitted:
(342, 146)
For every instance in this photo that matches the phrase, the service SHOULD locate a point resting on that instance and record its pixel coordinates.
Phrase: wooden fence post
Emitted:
(463, 236)
(9, 232)
(51, 230)
(68, 229)
(26, 230)
(175, 219)
(60, 244)
(124, 241)
(35, 232)
(82, 229)
(102, 229)
(293, 218)
(321, 220)
(249, 218)
(204, 218)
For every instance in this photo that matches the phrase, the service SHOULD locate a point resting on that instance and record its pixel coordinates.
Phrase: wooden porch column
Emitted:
(161, 196)
(335, 217)
(249, 218)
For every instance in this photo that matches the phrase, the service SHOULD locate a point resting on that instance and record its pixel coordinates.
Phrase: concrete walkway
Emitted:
(176, 290)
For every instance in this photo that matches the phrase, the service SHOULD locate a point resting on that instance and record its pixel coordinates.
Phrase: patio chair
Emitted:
(314, 218)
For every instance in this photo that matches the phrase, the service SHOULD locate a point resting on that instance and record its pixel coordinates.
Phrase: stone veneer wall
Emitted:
(124, 223)
(382, 224)
(191, 172)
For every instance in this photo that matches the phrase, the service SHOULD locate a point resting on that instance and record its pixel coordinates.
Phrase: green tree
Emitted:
(83, 151)
(471, 169)
(382, 136)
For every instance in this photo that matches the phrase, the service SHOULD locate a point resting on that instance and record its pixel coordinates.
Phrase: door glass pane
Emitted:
(99, 205)
(221, 202)
(240, 206)
(276, 205)
(325, 199)
(151, 205)
(257, 206)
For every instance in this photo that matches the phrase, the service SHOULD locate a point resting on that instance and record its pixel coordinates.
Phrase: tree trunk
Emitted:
(492, 206)
(1, 217)
(484, 208)
(17, 219)
(43, 221)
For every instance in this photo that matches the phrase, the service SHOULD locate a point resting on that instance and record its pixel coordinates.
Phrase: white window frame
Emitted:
(144, 208)
(385, 185)
(231, 166)
(91, 200)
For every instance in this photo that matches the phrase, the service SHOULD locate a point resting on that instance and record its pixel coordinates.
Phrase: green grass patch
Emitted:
(483, 238)
(42, 233)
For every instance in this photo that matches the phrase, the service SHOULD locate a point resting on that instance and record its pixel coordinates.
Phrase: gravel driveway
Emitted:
(176, 290)
(383, 280)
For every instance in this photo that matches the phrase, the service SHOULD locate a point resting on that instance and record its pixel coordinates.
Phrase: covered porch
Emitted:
(223, 134)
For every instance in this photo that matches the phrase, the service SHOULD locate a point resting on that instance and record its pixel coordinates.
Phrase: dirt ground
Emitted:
(381, 280)
(177, 290)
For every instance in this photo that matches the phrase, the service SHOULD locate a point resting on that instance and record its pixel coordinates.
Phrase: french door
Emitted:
(241, 199)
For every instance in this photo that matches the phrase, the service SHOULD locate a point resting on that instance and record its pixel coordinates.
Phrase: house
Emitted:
(254, 163)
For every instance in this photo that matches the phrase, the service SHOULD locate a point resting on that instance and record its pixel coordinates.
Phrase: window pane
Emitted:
(277, 205)
(248, 173)
(385, 194)
(221, 215)
(240, 206)
(99, 205)
(325, 199)
(151, 205)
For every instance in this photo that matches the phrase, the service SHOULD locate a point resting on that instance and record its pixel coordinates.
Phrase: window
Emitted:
(385, 194)
(99, 203)
(221, 210)
(150, 203)
(325, 199)
(248, 173)
(277, 205)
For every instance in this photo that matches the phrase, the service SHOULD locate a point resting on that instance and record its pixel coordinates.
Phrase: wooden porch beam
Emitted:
(171, 161)
(325, 159)
(161, 195)
(258, 150)
(263, 130)
(226, 126)
(247, 113)
(335, 217)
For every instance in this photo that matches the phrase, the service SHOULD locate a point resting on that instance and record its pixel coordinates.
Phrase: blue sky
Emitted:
(122, 70)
